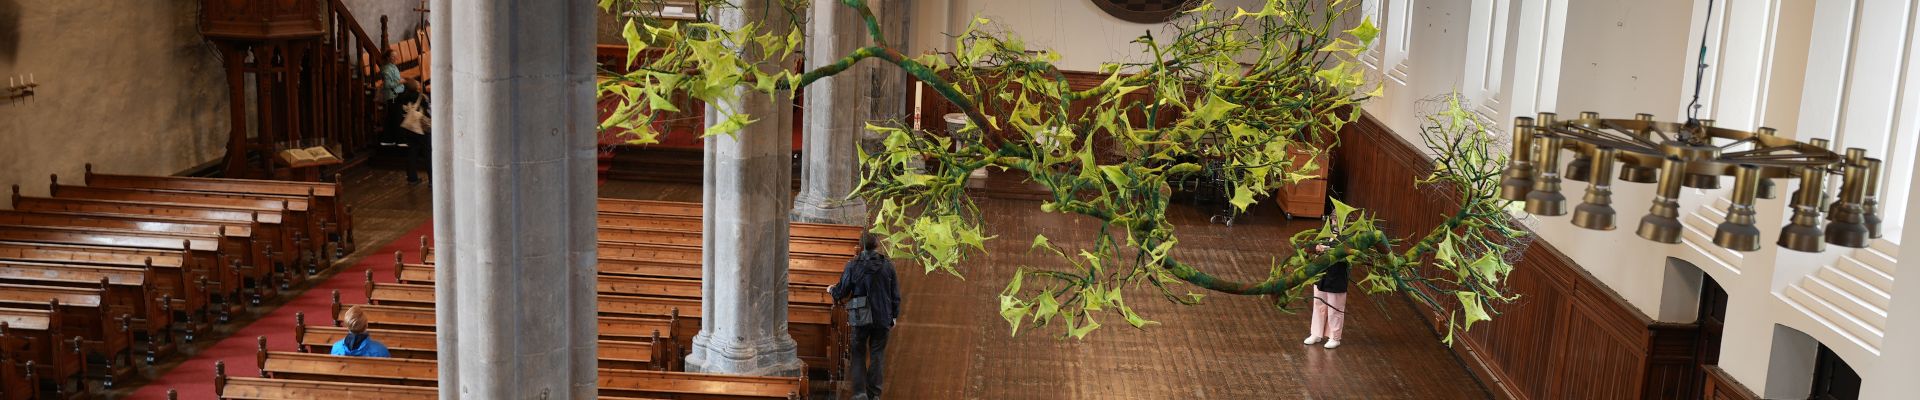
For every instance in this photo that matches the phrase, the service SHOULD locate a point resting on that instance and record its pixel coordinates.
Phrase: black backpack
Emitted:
(859, 308)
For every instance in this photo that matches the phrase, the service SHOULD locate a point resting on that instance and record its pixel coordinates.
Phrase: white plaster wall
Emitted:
(1620, 57)
(125, 84)
(1771, 63)
(1084, 35)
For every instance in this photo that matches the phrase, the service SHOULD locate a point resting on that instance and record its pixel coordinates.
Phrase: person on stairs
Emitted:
(1329, 302)
(872, 309)
(358, 343)
(416, 124)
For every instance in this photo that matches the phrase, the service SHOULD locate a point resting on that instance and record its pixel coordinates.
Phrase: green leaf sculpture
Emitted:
(1248, 91)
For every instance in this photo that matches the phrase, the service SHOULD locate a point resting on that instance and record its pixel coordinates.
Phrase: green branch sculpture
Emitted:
(1237, 90)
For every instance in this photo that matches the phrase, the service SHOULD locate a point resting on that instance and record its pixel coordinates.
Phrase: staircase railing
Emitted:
(350, 109)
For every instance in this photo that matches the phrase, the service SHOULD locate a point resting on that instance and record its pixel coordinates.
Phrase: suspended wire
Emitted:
(1700, 71)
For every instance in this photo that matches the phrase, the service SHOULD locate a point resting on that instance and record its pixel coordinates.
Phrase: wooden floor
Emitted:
(952, 344)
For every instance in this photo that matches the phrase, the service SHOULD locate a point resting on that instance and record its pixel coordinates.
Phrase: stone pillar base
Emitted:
(811, 208)
(771, 356)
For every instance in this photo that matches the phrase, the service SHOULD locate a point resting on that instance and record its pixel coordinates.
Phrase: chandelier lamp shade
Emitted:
(1697, 155)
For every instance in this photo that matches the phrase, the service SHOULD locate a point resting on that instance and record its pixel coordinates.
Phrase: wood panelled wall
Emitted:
(1567, 337)
(1721, 387)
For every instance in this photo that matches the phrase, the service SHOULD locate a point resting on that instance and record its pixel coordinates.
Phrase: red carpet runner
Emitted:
(194, 379)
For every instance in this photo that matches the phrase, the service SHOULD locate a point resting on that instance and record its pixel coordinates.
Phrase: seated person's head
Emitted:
(411, 84)
(355, 320)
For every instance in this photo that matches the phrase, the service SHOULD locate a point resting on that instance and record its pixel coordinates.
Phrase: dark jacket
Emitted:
(1334, 279)
(871, 274)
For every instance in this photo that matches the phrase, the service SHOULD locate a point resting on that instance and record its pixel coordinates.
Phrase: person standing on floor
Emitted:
(358, 343)
(1329, 303)
(873, 303)
(415, 123)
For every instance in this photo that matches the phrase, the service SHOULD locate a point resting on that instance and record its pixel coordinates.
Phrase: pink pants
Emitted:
(1328, 322)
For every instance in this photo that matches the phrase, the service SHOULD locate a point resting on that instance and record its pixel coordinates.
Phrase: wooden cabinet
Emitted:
(1306, 198)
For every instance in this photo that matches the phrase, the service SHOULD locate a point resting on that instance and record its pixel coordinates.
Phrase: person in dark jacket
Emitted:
(357, 343)
(870, 275)
(1329, 303)
(417, 142)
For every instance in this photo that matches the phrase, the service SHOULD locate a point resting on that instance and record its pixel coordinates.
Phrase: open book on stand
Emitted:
(308, 157)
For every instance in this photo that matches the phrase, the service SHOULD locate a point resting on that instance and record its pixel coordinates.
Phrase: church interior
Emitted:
(958, 199)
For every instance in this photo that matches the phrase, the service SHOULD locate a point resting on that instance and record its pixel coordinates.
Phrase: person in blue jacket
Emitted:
(358, 343)
(870, 275)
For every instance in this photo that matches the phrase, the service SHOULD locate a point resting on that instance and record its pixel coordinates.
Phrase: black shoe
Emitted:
(413, 181)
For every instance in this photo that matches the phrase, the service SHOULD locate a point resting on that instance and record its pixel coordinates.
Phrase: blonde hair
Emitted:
(355, 320)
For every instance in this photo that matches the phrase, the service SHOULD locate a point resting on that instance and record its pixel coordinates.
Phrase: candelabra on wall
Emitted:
(21, 87)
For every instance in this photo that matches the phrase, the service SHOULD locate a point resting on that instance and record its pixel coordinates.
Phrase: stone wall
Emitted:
(128, 85)
(401, 19)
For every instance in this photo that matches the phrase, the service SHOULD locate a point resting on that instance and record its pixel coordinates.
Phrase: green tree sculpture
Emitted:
(1238, 90)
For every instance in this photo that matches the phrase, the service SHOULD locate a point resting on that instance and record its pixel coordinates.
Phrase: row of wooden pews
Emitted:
(96, 276)
(661, 240)
(649, 304)
(634, 362)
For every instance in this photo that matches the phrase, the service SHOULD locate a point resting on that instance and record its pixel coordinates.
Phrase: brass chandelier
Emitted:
(1694, 154)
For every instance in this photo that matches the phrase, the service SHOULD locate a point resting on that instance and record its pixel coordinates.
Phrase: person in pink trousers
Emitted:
(1329, 303)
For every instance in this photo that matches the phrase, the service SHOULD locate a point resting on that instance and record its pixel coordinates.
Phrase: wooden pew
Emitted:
(206, 263)
(232, 239)
(686, 385)
(684, 231)
(418, 345)
(420, 319)
(679, 254)
(265, 225)
(370, 370)
(658, 252)
(128, 290)
(423, 275)
(187, 290)
(52, 356)
(294, 211)
(17, 379)
(798, 277)
(394, 294)
(16, 376)
(613, 382)
(815, 328)
(231, 236)
(799, 272)
(797, 245)
(326, 195)
(625, 207)
(242, 388)
(636, 249)
(321, 218)
(84, 313)
(283, 244)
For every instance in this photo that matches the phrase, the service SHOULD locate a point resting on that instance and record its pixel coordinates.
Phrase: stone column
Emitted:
(837, 110)
(892, 87)
(513, 156)
(747, 185)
